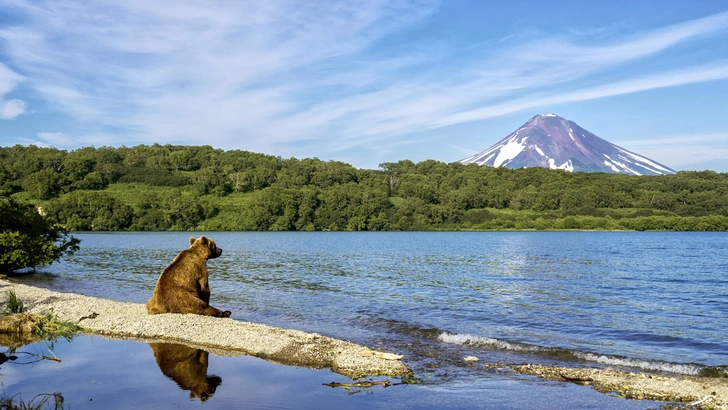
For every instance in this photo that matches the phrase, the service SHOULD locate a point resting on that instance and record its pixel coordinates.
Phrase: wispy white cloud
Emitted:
(682, 151)
(673, 78)
(8, 80)
(12, 108)
(55, 138)
(640, 45)
(266, 75)
(59, 139)
(185, 71)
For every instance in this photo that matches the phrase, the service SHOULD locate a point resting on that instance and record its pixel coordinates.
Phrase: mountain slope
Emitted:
(550, 141)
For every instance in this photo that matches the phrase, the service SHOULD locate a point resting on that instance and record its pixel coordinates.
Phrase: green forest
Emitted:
(167, 187)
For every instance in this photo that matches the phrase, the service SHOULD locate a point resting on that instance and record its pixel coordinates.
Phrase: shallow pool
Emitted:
(95, 372)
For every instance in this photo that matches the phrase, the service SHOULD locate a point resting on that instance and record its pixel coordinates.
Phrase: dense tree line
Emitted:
(165, 187)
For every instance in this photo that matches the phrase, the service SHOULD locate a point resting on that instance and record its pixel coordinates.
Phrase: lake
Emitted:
(645, 301)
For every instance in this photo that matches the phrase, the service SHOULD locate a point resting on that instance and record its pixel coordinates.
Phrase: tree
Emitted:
(90, 211)
(210, 180)
(43, 184)
(29, 239)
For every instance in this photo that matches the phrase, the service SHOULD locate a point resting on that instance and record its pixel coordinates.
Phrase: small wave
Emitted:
(606, 360)
(479, 341)
(651, 365)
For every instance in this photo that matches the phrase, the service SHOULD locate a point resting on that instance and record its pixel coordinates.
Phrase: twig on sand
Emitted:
(368, 383)
(695, 403)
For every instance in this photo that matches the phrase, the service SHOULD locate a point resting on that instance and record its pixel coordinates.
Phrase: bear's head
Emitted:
(205, 247)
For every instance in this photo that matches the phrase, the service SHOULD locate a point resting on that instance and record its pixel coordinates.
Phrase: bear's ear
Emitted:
(204, 240)
(192, 241)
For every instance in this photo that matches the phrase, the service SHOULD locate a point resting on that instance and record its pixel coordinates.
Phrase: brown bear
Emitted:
(182, 287)
(187, 366)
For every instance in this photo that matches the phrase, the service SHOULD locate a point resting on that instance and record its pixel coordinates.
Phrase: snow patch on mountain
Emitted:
(647, 161)
(538, 150)
(623, 167)
(566, 166)
(510, 150)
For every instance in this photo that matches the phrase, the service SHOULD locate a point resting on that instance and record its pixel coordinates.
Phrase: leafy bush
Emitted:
(49, 327)
(153, 177)
(28, 239)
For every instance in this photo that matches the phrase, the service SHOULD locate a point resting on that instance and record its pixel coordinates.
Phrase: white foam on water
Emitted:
(606, 360)
(679, 368)
(470, 340)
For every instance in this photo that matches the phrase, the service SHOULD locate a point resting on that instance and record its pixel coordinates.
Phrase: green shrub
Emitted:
(29, 239)
(13, 304)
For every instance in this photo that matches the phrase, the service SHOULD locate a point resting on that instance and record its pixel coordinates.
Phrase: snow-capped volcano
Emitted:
(550, 141)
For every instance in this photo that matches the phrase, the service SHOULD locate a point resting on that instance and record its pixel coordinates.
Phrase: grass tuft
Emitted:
(46, 326)
(38, 402)
(49, 326)
(13, 304)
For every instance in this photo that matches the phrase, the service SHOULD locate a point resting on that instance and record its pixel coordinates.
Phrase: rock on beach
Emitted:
(221, 336)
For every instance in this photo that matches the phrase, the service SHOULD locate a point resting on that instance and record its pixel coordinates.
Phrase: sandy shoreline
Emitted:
(225, 336)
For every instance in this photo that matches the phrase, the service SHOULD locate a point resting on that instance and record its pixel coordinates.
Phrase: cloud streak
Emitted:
(682, 151)
(632, 85)
(270, 75)
(12, 108)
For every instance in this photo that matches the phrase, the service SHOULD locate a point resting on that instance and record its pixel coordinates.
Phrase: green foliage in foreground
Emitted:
(13, 304)
(49, 327)
(46, 326)
(29, 239)
(38, 402)
(151, 188)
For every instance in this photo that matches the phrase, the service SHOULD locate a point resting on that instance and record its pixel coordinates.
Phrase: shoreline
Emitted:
(285, 346)
(692, 391)
(229, 337)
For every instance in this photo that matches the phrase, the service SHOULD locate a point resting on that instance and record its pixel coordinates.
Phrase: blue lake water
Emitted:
(652, 301)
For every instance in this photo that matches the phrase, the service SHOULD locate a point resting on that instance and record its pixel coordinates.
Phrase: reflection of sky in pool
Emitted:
(100, 373)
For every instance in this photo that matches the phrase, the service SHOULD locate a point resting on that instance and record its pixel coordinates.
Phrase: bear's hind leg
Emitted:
(211, 311)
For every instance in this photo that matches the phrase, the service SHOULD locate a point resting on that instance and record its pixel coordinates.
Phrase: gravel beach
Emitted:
(696, 392)
(222, 336)
(228, 337)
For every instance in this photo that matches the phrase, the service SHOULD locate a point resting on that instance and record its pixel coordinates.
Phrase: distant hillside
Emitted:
(199, 188)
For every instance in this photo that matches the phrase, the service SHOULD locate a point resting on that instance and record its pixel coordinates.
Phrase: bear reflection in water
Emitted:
(187, 366)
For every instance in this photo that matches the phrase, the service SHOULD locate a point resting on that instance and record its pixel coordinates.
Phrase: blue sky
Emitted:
(365, 82)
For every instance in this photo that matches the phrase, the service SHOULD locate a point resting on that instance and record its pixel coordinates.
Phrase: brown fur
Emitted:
(187, 366)
(183, 287)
